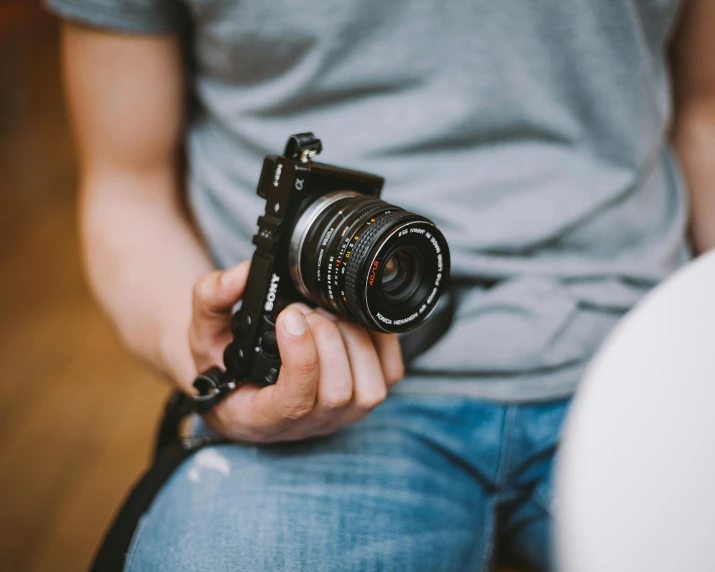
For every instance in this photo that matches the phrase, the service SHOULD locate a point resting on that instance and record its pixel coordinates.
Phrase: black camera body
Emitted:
(327, 239)
(289, 184)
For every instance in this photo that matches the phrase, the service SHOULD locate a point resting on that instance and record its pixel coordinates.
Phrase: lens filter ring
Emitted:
(426, 254)
(418, 239)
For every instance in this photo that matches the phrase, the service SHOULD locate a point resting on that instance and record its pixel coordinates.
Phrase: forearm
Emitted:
(694, 139)
(693, 75)
(142, 259)
(125, 95)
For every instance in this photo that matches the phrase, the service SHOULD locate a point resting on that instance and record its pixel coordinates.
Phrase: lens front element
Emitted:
(401, 274)
(367, 260)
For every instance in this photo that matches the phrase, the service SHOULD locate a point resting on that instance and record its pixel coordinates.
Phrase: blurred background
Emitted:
(77, 414)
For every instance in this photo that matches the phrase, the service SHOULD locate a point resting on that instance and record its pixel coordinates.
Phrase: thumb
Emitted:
(216, 293)
(294, 394)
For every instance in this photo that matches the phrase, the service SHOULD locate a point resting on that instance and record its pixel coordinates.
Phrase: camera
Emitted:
(326, 239)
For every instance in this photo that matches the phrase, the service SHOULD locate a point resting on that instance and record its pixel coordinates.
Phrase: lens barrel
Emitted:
(371, 262)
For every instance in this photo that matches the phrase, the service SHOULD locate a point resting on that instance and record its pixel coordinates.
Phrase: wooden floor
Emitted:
(77, 415)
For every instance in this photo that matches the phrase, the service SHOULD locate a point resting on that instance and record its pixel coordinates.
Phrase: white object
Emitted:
(635, 478)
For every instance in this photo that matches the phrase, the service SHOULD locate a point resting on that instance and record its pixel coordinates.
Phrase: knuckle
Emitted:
(395, 372)
(306, 366)
(336, 400)
(202, 288)
(372, 399)
(295, 411)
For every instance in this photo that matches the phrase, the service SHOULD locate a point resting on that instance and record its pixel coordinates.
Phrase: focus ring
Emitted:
(361, 250)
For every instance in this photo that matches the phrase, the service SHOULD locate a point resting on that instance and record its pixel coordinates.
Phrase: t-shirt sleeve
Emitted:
(130, 16)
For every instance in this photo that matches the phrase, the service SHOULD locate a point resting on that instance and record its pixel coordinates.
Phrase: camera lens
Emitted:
(369, 261)
(401, 276)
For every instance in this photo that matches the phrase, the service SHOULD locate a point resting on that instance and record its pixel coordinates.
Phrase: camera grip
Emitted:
(257, 339)
(266, 363)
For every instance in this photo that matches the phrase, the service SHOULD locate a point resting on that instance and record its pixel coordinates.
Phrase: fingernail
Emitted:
(294, 323)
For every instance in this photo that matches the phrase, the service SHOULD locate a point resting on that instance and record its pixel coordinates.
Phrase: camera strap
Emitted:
(212, 385)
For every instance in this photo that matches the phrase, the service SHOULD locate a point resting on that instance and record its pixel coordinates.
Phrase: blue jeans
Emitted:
(423, 483)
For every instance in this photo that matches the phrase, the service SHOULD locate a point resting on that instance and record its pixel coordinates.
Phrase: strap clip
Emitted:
(212, 387)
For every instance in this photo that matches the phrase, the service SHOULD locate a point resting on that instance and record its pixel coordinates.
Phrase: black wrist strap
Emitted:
(212, 386)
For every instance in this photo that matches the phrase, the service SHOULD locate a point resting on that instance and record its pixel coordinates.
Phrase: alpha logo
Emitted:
(271, 297)
(277, 176)
(372, 272)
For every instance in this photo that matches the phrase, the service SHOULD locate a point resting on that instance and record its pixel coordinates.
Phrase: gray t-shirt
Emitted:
(533, 133)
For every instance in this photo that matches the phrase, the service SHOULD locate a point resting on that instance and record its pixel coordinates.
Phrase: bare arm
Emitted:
(694, 126)
(142, 258)
(152, 275)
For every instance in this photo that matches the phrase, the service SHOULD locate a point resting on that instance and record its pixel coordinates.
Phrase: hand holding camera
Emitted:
(334, 372)
(326, 241)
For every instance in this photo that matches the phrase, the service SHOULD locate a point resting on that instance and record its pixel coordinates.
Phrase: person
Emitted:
(540, 137)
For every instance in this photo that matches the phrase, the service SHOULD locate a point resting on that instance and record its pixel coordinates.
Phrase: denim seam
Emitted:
(507, 443)
(487, 542)
(516, 439)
